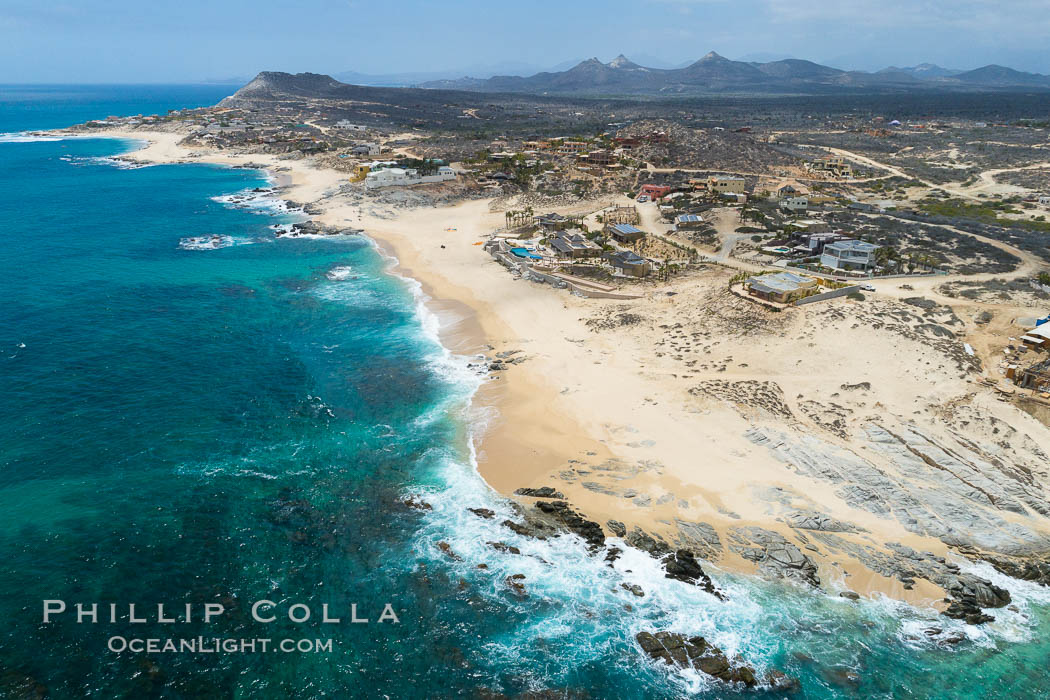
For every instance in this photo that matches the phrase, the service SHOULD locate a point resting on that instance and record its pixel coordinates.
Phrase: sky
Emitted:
(76, 41)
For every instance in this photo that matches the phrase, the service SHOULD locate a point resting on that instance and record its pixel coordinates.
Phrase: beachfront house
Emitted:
(629, 264)
(849, 254)
(814, 243)
(391, 177)
(573, 244)
(624, 233)
(781, 287)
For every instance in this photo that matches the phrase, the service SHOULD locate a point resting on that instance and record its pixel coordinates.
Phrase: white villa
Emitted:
(393, 177)
(849, 254)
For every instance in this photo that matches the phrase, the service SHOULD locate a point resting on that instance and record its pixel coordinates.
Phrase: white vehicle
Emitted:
(867, 287)
(644, 198)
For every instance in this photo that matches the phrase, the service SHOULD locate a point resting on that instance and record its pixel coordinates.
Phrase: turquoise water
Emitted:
(525, 253)
(189, 424)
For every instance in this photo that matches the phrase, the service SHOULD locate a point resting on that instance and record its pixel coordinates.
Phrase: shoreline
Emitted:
(544, 436)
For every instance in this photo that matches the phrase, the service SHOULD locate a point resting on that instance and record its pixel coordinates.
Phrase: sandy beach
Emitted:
(683, 406)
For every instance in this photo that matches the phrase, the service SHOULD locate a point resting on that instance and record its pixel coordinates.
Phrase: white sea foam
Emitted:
(27, 137)
(213, 242)
(112, 161)
(352, 293)
(452, 368)
(118, 162)
(262, 199)
(338, 274)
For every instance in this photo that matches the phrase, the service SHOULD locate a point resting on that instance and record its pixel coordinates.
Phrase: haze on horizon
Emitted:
(197, 40)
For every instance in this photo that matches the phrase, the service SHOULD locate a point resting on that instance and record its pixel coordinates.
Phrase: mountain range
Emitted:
(715, 74)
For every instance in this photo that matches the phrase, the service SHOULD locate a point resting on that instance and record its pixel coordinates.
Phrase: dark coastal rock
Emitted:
(698, 654)
(446, 549)
(1035, 570)
(483, 513)
(778, 680)
(590, 531)
(967, 611)
(616, 527)
(967, 594)
(411, 502)
(639, 539)
(527, 529)
(504, 547)
(633, 588)
(308, 228)
(316, 228)
(514, 582)
(682, 566)
(542, 492)
(850, 595)
(980, 591)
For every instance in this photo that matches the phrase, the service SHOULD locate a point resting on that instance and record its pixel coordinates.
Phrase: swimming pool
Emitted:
(526, 253)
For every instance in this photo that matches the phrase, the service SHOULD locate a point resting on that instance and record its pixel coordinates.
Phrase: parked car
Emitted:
(867, 287)
(644, 198)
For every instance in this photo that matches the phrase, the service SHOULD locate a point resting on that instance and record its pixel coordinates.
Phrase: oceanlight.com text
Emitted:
(215, 645)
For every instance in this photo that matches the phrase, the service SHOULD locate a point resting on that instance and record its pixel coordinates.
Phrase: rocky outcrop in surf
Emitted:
(698, 654)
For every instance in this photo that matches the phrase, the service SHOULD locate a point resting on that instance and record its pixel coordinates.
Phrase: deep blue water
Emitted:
(25, 107)
(187, 425)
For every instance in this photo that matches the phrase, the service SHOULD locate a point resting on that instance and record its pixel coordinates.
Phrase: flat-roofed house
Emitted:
(849, 254)
(654, 192)
(795, 205)
(625, 233)
(726, 184)
(367, 149)
(836, 165)
(781, 287)
(684, 221)
(600, 158)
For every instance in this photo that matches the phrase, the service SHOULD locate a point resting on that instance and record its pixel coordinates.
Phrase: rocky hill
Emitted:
(715, 74)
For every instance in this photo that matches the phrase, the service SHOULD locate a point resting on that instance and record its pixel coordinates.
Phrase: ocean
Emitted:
(190, 423)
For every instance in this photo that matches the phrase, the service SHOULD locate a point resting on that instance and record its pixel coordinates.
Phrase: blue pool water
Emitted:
(526, 253)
